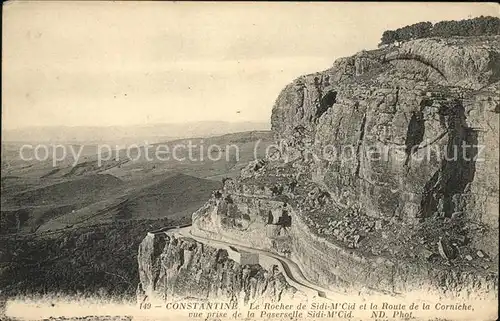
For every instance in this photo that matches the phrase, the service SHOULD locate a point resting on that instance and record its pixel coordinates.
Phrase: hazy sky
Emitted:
(121, 63)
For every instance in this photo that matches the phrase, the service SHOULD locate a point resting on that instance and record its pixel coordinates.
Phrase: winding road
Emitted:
(291, 271)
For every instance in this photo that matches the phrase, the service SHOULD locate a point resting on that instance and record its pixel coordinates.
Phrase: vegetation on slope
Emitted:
(480, 26)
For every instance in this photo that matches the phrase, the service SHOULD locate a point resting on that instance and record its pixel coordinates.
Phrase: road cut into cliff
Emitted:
(290, 269)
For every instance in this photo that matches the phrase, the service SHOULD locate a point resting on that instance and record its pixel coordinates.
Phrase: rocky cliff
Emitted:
(384, 176)
(415, 131)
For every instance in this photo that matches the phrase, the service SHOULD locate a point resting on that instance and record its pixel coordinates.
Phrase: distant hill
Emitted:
(38, 197)
(28, 204)
(176, 196)
(250, 145)
(179, 195)
(128, 134)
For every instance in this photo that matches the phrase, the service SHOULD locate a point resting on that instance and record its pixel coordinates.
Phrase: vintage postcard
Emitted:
(214, 161)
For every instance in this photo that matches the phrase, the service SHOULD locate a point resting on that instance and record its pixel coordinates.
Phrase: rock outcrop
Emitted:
(384, 177)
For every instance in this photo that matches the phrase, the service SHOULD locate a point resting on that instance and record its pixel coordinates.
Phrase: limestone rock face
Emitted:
(384, 130)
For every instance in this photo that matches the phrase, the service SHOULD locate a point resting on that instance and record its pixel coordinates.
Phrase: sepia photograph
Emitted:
(225, 161)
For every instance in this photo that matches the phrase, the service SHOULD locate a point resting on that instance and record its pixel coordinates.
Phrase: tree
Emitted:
(389, 36)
